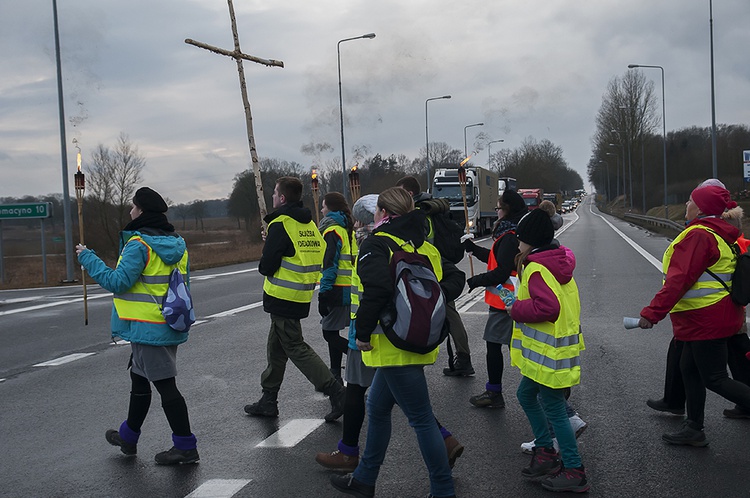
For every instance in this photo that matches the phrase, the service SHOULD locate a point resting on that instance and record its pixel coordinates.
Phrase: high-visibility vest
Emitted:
(491, 294)
(548, 352)
(296, 277)
(346, 257)
(707, 290)
(384, 353)
(141, 303)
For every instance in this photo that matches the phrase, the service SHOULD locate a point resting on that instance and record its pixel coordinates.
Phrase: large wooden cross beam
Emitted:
(238, 56)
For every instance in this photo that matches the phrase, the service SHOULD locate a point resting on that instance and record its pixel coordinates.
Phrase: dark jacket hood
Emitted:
(294, 210)
(409, 227)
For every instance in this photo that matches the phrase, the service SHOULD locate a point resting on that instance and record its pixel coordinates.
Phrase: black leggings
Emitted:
(354, 414)
(495, 363)
(172, 403)
(337, 347)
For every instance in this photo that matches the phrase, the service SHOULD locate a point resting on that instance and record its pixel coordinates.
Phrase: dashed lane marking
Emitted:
(291, 433)
(49, 305)
(236, 310)
(63, 360)
(219, 488)
(216, 275)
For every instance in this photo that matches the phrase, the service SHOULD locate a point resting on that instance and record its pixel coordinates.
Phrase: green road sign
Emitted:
(25, 211)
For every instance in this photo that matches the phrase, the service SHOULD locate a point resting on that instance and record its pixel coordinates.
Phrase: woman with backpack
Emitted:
(149, 249)
(399, 378)
(334, 296)
(545, 347)
(703, 315)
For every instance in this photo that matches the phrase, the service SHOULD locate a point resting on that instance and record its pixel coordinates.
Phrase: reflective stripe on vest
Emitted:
(297, 276)
(142, 302)
(346, 256)
(706, 291)
(548, 352)
(491, 294)
(384, 353)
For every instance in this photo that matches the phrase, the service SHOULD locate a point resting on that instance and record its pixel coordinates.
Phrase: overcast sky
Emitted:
(525, 68)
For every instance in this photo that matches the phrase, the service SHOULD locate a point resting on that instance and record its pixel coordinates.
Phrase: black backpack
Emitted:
(740, 290)
(447, 237)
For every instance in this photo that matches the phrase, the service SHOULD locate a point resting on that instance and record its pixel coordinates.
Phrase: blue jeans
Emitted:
(551, 411)
(407, 387)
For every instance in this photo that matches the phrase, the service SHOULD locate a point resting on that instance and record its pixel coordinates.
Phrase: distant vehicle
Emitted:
(555, 198)
(505, 183)
(532, 197)
(481, 196)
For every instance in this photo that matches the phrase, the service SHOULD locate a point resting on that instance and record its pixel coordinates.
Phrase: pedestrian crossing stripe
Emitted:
(63, 360)
(291, 433)
(219, 488)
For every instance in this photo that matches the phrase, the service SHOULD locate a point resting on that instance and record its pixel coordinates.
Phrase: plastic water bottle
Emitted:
(507, 296)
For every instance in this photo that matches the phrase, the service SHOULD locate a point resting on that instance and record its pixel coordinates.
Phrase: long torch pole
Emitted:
(314, 182)
(80, 186)
(462, 184)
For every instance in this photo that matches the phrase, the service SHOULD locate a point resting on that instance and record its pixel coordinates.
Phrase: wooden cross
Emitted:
(238, 56)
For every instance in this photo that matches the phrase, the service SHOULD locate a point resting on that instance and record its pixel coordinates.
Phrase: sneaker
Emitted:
(337, 461)
(573, 480)
(528, 448)
(266, 406)
(347, 484)
(454, 449)
(661, 406)
(736, 412)
(578, 425)
(113, 437)
(543, 461)
(177, 457)
(461, 366)
(686, 436)
(487, 399)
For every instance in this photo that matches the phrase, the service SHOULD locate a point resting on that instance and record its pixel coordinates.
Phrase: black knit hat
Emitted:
(514, 201)
(535, 229)
(149, 200)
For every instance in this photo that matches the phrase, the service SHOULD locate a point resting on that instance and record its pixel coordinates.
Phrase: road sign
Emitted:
(746, 164)
(25, 211)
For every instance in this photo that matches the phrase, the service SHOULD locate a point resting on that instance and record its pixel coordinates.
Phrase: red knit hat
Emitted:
(712, 200)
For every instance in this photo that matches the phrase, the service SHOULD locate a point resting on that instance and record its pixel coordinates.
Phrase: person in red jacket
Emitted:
(703, 314)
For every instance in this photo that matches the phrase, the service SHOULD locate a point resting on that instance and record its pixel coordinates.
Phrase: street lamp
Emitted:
(630, 153)
(713, 98)
(341, 109)
(466, 149)
(617, 171)
(489, 152)
(427, 139)
(622, 146)
(664, 131)
(606, 165)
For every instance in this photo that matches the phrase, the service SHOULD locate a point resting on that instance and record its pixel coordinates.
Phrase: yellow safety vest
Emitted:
(141, 302)
(384, 353)
(707, 290)
(346, 257)
(548, 352)
(296, 277)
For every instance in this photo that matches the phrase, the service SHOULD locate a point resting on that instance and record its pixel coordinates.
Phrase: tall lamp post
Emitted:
(622, 146)
(713, 97)
(606, 166)
(466, 149)
(664, 130)
(427, 139)
(341, 109)
(617, 171)
(489, 152)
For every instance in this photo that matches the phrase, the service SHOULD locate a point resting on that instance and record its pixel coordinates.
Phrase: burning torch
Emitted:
(354, 184)
(462, 184)
(80, 182)
(314, 182)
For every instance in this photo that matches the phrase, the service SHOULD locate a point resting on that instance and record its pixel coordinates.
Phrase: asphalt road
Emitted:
(53, 418)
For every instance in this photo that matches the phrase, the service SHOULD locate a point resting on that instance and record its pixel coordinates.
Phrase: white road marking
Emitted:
(63, 360)
(121, 342)
(216, 275)
(291, 433)
(49, 305)
(219, 488)
(236, 310)
(2, 380)
(657, 264)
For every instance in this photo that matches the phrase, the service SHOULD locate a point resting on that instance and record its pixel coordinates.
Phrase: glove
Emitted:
(323, 308)
(473, 283)
(466, 237)
(469, 245)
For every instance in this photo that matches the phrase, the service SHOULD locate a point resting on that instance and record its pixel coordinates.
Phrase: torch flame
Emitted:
(465, 161)
(354, 168)
(314, 173)
(78, 160)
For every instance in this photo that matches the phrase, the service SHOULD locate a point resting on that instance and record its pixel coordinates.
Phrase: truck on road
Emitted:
(531, 196)
(481, 196)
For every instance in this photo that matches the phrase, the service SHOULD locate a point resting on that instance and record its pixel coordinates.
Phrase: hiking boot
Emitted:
(736, 412)
(337, 461)
(578, 425)
(573, 480)
(267, 406)
(487, 399)
(335, 395)
(454, 449)
(113, 437)
(177, 457)
(661, 406)
(686, 436)
(461, 366)
(543, 461)
(347, 484)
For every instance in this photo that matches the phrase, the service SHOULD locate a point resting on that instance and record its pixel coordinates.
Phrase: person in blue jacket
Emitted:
(149, 249)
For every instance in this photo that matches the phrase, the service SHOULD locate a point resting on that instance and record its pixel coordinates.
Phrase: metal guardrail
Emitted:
(652, 220)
